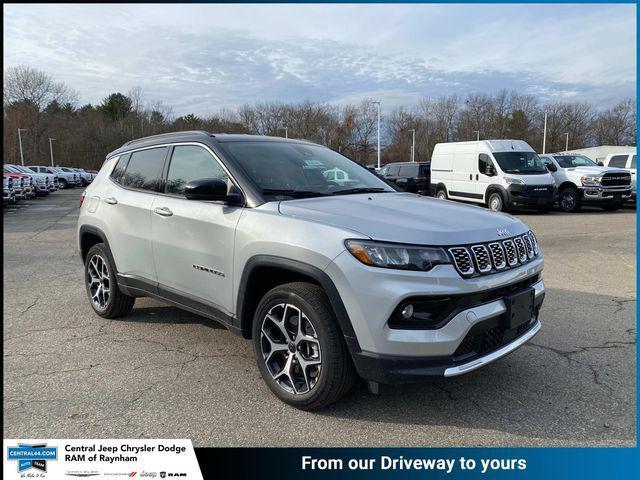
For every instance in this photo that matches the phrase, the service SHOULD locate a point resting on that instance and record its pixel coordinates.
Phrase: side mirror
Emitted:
(490, 171)
(551, 167)
(211, 189)
(600, 164)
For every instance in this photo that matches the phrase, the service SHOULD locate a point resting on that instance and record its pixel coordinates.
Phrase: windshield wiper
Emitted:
(292, 193)
(349, 191)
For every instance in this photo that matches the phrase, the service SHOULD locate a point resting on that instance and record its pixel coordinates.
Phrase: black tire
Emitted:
(442, 194)
(336, 374)
(495, 202)
(611, 208)
(63, 183)
(117, 304)
(569, 200)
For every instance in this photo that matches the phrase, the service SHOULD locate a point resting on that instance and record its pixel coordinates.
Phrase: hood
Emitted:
(595, 170)
(406, 218)
(541, 179)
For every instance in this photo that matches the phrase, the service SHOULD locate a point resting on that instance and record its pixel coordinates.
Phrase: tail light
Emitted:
(82, 195)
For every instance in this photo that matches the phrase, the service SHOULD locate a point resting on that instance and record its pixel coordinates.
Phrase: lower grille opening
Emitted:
(488, 336)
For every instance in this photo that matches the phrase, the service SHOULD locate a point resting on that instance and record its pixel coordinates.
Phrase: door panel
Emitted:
(128, 215)
(193, 247)
(193, 240)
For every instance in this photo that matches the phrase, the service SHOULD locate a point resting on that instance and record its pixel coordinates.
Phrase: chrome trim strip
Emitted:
(493, 356)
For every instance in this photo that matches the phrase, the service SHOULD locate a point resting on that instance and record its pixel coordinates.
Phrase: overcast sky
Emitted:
(201, 58)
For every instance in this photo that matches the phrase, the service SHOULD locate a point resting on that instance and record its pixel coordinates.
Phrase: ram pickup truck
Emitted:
(329, 281)
(581, 181)
(8, 195)
(65, 179)
(41, 181)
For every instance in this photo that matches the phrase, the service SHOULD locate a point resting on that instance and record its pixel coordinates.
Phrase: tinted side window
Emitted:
(409, 171)
(425, 170)
(144, 169)
(633, 162)
(393, 171)
(483, 162)
(618, 161)
(189, 162)
(118, 170)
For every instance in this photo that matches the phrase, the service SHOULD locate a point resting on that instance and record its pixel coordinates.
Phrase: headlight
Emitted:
(391, 255)
(512, 180)
(589, 180)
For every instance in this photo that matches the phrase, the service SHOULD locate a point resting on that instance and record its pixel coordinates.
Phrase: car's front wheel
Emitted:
(299, 347)
(495, 202)
(569, 200)
(102, 288)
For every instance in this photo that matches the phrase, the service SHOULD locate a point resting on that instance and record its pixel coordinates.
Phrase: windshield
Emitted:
(296, 170)
(22, 169)
(571, 161)
(523, 163)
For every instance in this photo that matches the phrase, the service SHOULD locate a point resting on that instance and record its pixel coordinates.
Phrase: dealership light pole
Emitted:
(378, 104)
(566, 145)
(20, 141)
(544, 134)
(286, 132)
(413, 145)
(51, 148)
(477, 132)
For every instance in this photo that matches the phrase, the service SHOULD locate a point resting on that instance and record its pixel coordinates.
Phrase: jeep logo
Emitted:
(502, 232)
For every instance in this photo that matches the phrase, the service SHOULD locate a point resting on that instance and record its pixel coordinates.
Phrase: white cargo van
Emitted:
(500, 174)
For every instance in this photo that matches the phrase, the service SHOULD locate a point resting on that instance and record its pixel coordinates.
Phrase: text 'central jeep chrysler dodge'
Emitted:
(330, 280)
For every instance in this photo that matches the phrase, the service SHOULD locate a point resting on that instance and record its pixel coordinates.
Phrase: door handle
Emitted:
(162, 211)
(471, 176)
(111, 200)
(477, 176)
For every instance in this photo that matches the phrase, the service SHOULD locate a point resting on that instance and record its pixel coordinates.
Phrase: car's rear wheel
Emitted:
(441, 194)
(102, 287)
(299, 348)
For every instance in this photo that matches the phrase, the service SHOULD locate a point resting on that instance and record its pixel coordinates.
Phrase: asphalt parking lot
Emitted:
(165, 373)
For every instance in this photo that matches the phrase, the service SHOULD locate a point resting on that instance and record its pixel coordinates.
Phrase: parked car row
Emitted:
(509, 174)
(23, 183)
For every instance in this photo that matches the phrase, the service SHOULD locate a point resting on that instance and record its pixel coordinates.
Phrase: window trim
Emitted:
(165, 172)
(165, 168)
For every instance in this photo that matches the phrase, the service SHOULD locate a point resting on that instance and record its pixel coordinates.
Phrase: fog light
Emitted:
(407, 311)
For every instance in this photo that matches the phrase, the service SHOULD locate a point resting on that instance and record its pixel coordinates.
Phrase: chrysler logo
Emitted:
(502, 232)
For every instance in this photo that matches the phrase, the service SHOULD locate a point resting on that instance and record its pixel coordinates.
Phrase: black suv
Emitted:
(409, 176)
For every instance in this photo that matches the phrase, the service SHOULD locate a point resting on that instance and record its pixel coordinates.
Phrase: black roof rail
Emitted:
(169, 134)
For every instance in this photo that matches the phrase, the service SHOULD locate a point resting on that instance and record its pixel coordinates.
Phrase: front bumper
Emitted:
(531, 195)
(604, 194)
(396, 355)
(484, 343)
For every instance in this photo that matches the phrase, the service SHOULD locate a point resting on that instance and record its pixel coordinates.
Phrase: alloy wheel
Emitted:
(98, 281)
(290, 349)
(568, 200)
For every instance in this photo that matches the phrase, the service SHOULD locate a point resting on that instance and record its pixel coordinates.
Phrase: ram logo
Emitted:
(502, 232)
(209, 270)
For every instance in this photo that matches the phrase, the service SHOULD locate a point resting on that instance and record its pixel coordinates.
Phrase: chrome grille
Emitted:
(534, 242)
(522, 252)
(528, 245)
(481, 257)
(486, 258)
(462, 260)
(510, 250)
(497, 256)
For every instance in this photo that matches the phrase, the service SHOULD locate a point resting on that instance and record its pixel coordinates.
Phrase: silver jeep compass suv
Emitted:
(330, 280)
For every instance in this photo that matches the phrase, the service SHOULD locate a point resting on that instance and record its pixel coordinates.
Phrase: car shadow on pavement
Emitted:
(574, 381)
